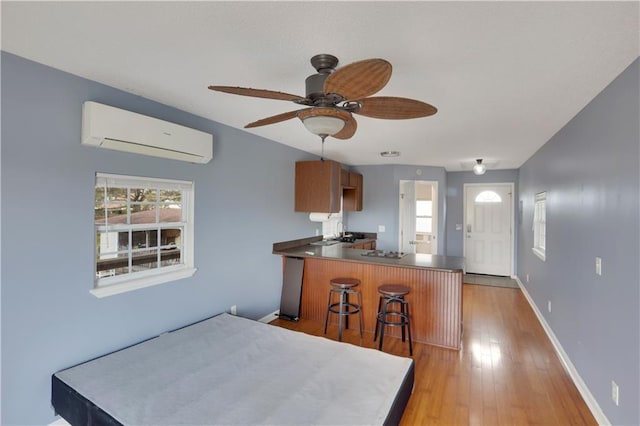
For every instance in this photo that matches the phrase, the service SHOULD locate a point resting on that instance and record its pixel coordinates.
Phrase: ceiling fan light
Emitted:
(323, 125)
(479, 168)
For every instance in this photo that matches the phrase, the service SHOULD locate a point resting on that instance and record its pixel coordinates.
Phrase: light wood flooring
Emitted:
(507, 372)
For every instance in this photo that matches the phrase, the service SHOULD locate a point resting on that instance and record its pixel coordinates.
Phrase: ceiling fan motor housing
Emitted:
(324, 64)
(315, 86)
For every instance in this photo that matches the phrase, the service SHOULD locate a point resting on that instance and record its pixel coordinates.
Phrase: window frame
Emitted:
(133, 280)
(540, 225)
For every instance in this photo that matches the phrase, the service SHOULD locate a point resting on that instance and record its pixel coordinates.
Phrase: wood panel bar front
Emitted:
(435, 298)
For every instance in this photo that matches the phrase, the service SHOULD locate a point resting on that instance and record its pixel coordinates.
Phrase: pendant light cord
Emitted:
(322, 152)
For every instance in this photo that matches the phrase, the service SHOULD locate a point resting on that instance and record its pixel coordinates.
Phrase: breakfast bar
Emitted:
(435, 283)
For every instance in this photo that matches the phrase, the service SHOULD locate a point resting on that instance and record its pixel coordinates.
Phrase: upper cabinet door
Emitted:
(317, 186)
(352, 195)
(344, 178)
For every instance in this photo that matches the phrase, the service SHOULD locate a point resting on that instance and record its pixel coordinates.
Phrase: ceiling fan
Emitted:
(333, 96)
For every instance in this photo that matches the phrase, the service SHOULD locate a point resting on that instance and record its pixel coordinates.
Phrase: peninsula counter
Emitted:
(435, 283)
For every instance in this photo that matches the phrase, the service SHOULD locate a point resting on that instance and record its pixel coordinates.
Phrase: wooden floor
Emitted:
(507, 372)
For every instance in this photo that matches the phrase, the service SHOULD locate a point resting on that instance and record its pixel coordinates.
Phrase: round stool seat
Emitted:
(393, 290)
(345, 282)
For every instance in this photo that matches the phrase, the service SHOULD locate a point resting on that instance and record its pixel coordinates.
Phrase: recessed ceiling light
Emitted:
(390, 154)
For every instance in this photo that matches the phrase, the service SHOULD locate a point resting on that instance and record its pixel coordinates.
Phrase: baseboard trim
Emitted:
(270, 317)
(566, 361)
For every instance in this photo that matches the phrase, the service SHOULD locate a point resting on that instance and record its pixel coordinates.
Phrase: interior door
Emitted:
(418, 217)
(488, 228)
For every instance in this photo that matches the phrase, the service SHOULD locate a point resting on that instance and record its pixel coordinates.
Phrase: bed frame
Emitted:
(231, 370)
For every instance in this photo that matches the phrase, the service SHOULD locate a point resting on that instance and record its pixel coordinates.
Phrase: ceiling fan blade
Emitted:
(359, 79)
(256, 93)
(349, 129)
(274, 119)
(393, 108)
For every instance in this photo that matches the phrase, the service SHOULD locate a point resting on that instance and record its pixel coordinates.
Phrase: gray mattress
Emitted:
(231, 370)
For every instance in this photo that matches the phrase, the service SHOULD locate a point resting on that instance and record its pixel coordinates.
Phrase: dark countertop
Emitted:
(303, 248)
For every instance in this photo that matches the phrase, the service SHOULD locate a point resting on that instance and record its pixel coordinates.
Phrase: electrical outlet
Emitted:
(317, 232)
(549, 305)
(598, 266)
(234, 310)
(381, 228)
(615, 393)
(527, 277)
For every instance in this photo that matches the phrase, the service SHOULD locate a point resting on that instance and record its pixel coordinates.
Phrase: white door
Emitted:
(418, 217)
(488, 228)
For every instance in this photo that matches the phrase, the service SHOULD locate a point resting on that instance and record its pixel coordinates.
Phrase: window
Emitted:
(143, 232)
(424, 216)
(540, 225)
(488, 197)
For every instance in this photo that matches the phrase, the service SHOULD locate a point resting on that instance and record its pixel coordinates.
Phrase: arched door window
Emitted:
(488, 197)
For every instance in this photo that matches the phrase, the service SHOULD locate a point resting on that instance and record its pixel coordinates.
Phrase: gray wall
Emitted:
(455, 202)
(381, 201)
(244, 203)
(589, 170)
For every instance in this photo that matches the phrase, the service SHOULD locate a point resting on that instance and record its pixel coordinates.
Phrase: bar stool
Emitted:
(343, 287)
(393, 310)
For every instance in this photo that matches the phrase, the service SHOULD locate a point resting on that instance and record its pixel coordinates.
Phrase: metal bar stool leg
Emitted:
(341, 309)
(326, 317)
(409, 330)
(402, 303)
(383, 321)
(346, 303)
(360, 313)
(375, 333)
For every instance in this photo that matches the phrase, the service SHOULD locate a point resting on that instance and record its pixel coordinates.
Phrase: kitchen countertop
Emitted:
(304, 249)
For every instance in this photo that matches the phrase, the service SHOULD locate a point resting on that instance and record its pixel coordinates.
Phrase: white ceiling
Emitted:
(505, 76)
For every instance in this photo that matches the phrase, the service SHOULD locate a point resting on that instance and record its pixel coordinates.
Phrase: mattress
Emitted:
(232, 370)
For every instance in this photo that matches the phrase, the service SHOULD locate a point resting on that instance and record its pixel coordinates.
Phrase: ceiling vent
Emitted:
(104, 126)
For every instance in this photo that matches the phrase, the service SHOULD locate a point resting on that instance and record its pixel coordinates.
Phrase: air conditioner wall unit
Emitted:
(108, 127)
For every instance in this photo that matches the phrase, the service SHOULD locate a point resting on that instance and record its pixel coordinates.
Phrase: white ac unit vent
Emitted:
(104, 126)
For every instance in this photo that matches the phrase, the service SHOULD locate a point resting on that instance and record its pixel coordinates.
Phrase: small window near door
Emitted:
(540, 225)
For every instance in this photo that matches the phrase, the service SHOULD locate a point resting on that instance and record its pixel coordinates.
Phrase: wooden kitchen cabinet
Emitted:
(352, 195)
(369, 245)
(317, 187)
(350, 179)
(344, 178)
(320, 184)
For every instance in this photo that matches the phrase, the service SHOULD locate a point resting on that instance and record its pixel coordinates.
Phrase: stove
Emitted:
(347, 239)
(383, 253)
